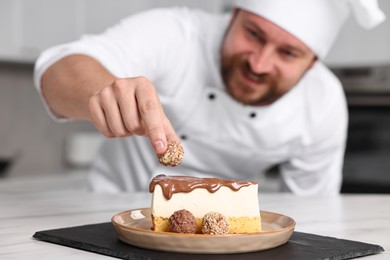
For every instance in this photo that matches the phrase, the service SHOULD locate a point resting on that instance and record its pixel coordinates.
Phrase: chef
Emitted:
(242, 92)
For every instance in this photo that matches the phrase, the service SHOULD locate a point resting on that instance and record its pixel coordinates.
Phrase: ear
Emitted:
(315, 59)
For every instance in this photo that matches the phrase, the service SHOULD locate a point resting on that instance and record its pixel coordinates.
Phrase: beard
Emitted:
(267, 92)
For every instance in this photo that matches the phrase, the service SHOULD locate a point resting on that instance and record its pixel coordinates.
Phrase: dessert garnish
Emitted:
(182, 221)
(215, 223)
(173, 155)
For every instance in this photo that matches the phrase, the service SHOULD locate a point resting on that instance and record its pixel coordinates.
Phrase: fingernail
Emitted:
(159, 146)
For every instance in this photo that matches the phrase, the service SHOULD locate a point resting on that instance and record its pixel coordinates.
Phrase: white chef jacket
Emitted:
(177, 49)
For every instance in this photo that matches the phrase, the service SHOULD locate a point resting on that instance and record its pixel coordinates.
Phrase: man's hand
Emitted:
(131, 106)
(79, 87)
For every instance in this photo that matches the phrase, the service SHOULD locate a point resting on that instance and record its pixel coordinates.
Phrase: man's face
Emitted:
(260, 61)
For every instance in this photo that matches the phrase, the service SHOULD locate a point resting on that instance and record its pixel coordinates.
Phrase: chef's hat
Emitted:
(315, 22)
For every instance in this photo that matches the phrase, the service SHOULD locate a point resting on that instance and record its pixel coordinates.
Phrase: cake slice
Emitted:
(236, 201)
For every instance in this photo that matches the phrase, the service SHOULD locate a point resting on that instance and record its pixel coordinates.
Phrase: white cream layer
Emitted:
(243, 202)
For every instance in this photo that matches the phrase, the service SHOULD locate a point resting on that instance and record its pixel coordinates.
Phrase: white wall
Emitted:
(25, 128)
(356, 46)
(28, 27)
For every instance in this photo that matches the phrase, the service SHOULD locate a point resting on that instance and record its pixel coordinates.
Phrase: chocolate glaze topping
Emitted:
(175, 184)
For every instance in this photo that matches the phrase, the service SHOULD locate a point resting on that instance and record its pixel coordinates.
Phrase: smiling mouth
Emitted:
(251, 76)
(253, 79)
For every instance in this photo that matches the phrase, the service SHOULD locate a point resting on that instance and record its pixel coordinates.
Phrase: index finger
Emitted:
(152, 115)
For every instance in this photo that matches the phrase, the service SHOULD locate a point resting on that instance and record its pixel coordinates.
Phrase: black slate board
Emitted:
(102, 239)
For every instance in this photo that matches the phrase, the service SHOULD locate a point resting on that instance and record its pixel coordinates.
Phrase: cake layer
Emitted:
(230, 203)
(237, 225)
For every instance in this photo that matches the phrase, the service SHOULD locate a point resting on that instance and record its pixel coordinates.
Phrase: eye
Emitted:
(254, 34)
(251, 33)
(288, 53)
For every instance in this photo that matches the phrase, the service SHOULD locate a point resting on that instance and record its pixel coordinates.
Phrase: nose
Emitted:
(262, 60)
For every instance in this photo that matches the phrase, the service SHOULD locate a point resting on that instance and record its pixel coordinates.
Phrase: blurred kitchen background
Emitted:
(32, 145)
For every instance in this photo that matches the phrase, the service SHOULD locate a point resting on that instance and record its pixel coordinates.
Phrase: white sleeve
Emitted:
(146, 44)
(317, 170)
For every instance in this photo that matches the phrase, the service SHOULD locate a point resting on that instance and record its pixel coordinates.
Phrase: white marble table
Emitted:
(25, 210)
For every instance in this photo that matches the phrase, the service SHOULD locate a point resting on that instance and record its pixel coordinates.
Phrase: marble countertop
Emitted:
(30, 206)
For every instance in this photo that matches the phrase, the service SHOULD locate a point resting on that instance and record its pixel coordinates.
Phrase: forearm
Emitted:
(69, 83)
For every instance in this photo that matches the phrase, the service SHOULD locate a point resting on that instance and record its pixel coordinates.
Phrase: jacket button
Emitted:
(212, 96)
(252, 115)
(183, 137)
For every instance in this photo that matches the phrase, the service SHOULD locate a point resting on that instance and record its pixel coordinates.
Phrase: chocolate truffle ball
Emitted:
(182, 221)
(173, 155)
(215, 223)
